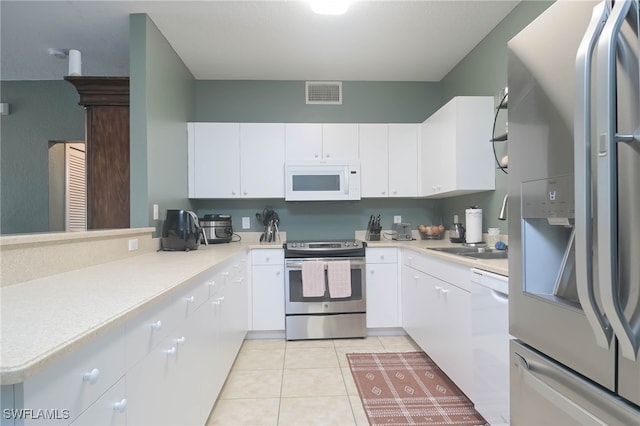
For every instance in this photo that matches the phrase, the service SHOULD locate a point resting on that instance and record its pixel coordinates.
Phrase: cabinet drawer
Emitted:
(382, 255)
(76, 381)
(267, 257)
(447, 271)
(189, 299)
(109, 410)
(145, 331)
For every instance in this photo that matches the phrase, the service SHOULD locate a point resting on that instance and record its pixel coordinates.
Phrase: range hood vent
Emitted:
(324, 92)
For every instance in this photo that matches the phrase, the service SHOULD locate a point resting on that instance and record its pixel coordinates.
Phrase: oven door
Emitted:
(295, 303)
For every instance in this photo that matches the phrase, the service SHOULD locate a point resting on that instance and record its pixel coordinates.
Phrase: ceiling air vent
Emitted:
(324, 92)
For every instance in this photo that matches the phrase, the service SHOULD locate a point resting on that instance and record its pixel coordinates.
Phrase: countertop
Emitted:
(47, 318)
(497, 266)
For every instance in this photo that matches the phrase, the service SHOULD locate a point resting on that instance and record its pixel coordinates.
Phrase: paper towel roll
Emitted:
(474, 225)
(75, 62)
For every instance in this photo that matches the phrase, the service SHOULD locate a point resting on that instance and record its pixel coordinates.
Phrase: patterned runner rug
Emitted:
(408, 388)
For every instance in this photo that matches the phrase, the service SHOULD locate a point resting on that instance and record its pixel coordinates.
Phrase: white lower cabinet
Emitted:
(267, 290)
(383, 303)
(436, 313)
(165, 366)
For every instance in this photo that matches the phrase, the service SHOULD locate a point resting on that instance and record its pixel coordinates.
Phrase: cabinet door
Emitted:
(262, 160)
(456, 155)
(457, 360)
(149, 399)
(412, 285)
(340, 142)
(438, 154)
(403, 160)
(382, 295)
(303, 141)
(214, 157)
(267, 297)
(374, 167)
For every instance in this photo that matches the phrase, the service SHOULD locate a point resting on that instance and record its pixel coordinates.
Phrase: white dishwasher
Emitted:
(490, 345)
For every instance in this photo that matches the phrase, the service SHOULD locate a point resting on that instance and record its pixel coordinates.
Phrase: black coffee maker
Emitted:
(181, 231)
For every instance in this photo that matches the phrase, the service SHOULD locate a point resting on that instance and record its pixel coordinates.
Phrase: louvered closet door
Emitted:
(75, 188)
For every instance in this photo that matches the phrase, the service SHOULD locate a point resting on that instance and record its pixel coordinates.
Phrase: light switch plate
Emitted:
(397, 219)
(246, 223)
(155, 212)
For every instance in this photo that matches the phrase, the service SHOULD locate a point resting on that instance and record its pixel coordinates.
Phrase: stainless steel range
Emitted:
(330, 302)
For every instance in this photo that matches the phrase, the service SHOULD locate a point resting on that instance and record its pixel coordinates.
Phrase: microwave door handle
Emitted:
(607, 155)
(583, 232)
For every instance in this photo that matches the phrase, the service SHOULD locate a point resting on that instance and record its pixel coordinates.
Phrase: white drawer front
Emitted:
(78, 380)
(267, 257)
(109, 410)
(446, 271)
(192, 297)
(382, 255)
(145, 331)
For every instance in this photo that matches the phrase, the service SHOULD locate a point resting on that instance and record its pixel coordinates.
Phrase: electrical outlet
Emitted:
(246, 223)
(155, 212)
(397, 219)
(133, 244)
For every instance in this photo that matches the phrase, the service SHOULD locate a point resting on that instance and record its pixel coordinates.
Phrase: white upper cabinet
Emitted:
(340, 141)
(311, 141)
(389, 160)
(214, 160)
(456, 155)
(403, 160)
(374, 165)
(233, 160)
(262, 160)
(303, 141)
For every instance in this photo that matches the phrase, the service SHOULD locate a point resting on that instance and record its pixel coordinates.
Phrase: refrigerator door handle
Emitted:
(583, 231)
(607, 179)
(529, 372)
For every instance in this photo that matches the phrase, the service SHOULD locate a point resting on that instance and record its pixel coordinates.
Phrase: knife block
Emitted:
(372, 236)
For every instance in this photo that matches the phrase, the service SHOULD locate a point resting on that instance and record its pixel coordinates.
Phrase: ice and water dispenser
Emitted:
(548, 235)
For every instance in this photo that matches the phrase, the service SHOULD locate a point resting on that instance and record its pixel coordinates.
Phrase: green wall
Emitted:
(284, 101)
(162, 102)
(40, 111)
(484, 72)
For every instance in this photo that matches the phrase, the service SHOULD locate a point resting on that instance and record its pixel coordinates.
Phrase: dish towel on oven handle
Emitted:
(339, 274)
(313, 284)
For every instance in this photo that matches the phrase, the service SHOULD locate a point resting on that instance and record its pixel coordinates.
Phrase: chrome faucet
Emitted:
(503, 209)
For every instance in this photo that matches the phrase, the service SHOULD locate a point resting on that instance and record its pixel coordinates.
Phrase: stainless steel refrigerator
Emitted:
(574, 215)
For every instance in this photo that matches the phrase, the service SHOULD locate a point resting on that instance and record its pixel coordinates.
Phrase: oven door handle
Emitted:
(297, 263)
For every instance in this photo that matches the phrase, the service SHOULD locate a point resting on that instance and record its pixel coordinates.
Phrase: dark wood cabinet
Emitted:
(106, 101)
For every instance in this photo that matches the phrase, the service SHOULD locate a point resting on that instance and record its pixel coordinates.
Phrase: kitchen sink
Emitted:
(498, 254)
(458, 250)
(474, 252)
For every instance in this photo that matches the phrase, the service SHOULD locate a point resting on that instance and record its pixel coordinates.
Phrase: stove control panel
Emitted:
(324, 249)
(324, 245)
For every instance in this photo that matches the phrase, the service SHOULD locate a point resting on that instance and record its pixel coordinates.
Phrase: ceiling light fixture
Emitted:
(330, 7)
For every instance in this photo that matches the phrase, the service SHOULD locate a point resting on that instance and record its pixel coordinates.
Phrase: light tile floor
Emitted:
(308, 382)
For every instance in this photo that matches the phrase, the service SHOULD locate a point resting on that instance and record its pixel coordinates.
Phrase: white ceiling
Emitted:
(252, 40)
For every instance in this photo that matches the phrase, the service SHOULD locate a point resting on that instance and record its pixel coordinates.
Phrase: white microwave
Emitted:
(322, 180)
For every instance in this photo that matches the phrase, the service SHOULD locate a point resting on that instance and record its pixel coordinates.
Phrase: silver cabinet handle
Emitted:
(582, 162)
(607, 180)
